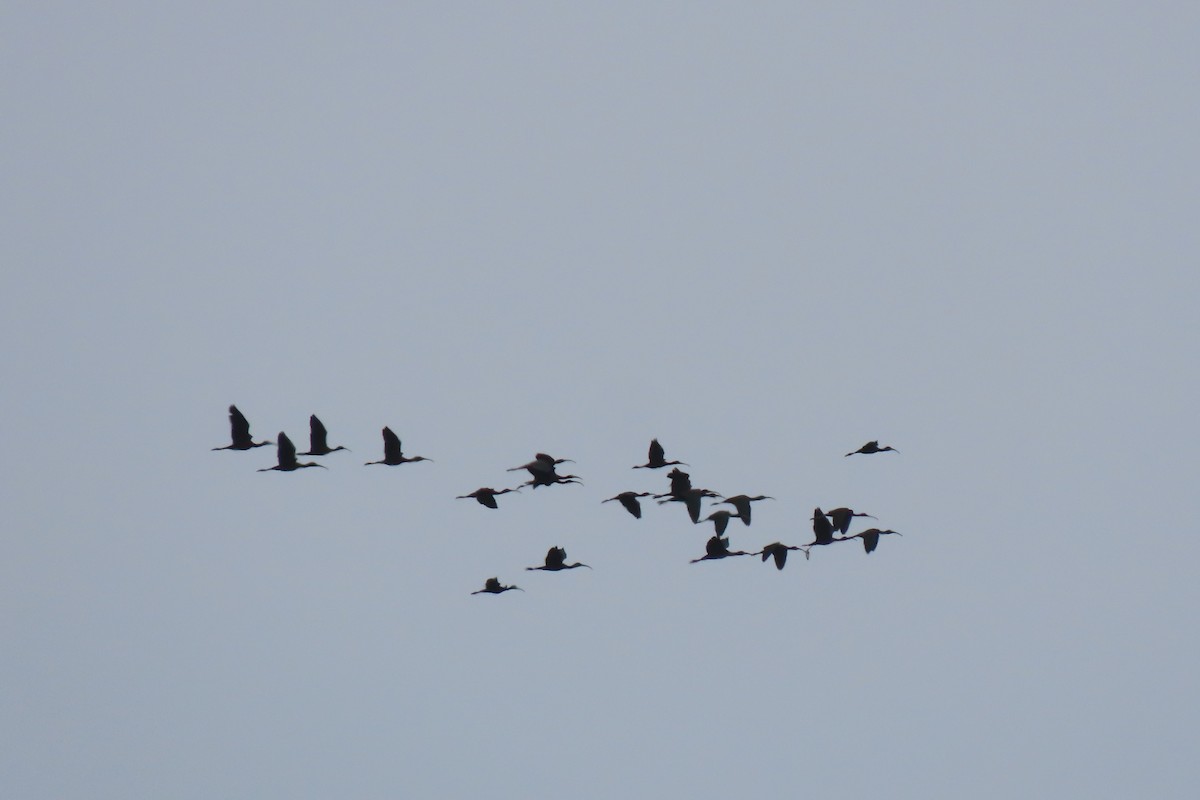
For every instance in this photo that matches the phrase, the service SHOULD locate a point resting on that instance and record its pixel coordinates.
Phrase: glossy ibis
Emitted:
(239, 432)
(486, 495)
(556, 560)
(629, 500)
(742, 503)
(873, 447)
(492, 586)
(656, 457)
(842, 517)
(318, 439)
(715, 548)
(393, 454)
(286, 455)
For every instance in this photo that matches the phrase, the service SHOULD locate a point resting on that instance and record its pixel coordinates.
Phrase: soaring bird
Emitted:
(393, 455)
(486, 495)
(318, 439)
(542, 463)
(239, 430)
(550, 478)
(657, 457)
(692, 499)
(629, 500)
(842, 517)
(715, 548)
(286, 455)
(556, 559)
(720, 520)
(742, 503)
(492, 586)
(873, 447)
(870, 537)
(777, 551)
(822, 532)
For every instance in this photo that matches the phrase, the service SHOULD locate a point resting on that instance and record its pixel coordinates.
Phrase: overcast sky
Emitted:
(762, 236)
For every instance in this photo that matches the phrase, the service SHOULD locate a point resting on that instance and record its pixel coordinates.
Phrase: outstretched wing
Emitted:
(391, 446)
(657, 453)
(239, 427)
(287, 451)
(317, 435)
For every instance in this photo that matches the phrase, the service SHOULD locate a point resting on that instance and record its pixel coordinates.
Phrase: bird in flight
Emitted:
(239, 431)
(486, 495)
(656, 457)
(629, 501)
(842, 517)
(720, 520)
(742, 503)
(777, 551)
(870, 538)
(873, 447)
(286, 455)
(556, 560)
(318, 439)
(393, 455)
(717, 547)
(822, 532)
(492, 586)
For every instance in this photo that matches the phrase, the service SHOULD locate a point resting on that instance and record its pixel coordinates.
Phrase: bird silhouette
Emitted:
(629, 500)
(239, 432)
(870, 538)
(873, 447)
(715, 548)
(842, 517)
(550, 478)
(720, 520)
(542, 463)
(822, 532)
(393, 454)
(692, 499)
(777, 551)
(286, 455)
(656, 457)
(742, 503)
(492, 586)
(318, 439)
(556, 560)
(486, 495)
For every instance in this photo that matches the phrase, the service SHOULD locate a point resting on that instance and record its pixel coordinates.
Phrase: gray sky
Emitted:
(764, 237)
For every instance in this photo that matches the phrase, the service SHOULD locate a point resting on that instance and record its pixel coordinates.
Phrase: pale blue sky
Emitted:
(764, 237)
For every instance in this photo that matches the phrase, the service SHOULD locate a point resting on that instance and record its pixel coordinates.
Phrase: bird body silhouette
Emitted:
(842, 517)
(286, 455)
(318, 439)
(716, 548)
(741, 504)
(777, 551)
(239, 432)
(629, 501)
(691, 498)
(873, 447)
(493, 586)
(720, 520)
(556, 560)
(393, 454)
(657, 457)
(870, 538)
(541, 463)
(822, 532)
(486, 495)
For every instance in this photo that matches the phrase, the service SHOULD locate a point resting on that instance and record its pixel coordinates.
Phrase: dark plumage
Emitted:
(742, 503)
(286, 455)
(556, 559)
(777, 551)
(720, 520)
(716, 548)
(873, 447)
(318, 439)
(239, 432)
(656, 457)
(629, 500)
(393, 454)
(842, 517)
(486, 495)
(492, 586)
(870, 538)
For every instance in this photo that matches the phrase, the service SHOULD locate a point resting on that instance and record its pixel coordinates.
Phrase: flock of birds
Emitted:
(543, 471)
